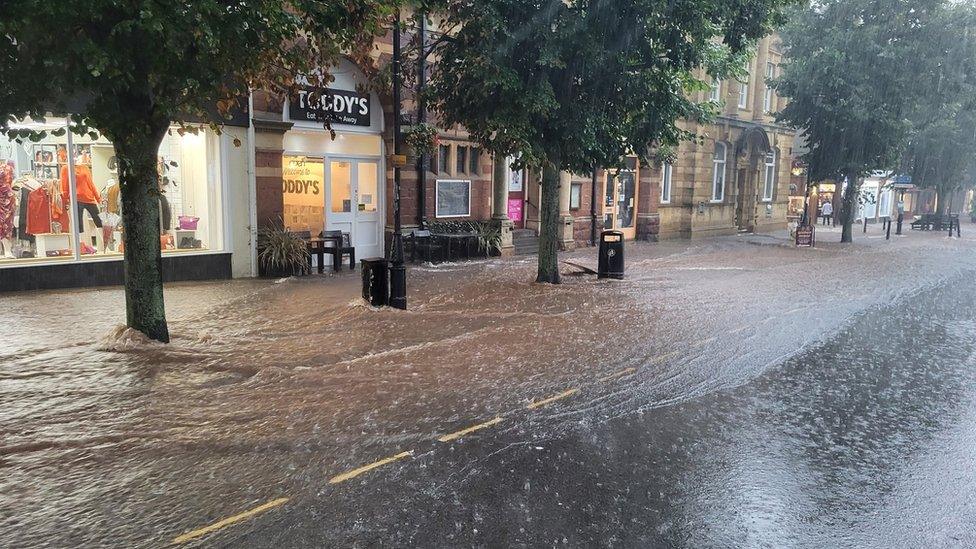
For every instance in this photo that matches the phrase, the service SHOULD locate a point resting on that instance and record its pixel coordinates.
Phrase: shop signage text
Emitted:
(806, 236)
(310, 104)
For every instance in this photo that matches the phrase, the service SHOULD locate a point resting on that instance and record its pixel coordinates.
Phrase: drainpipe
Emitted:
(593, 208)
(252, 184)
(421, 118)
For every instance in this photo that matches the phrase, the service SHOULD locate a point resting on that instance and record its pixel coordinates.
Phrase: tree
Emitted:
(940, 153)
(851, 84)
(129, 69)
(576, 85)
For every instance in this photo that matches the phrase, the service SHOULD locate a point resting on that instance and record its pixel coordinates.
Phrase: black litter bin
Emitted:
(376, 281)
(611, 262)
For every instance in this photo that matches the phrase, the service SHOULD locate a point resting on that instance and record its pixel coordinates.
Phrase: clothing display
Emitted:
(166, 213)
(8, 201)
(92, 210)
(39, 212)
(87, 193)
(112, 199)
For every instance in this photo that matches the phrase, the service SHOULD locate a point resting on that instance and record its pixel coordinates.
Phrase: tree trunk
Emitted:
(847, 210)
(549, 225)
(139, 191)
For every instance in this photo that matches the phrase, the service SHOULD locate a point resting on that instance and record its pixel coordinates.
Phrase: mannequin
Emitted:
(87, 195)
(8, 206)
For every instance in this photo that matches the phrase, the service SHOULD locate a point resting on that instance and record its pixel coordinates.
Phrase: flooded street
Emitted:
(730, 392)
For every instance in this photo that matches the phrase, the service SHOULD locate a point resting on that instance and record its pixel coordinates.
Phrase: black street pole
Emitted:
(398, 273)
(421, 118)
(901, 211)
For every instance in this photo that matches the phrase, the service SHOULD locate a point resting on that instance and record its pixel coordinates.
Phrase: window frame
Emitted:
(769, 175)
(719, 167)
(715, 93)
(744, 87)
(443, 164)
(768, 96)
(460, 160)
(575, 196)
(667, 182)
(437, 203)
(474, 160)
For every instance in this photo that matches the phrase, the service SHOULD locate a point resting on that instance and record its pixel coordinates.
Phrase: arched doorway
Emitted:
(750, 152)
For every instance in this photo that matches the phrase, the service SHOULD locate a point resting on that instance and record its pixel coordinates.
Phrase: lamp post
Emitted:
(398, 273)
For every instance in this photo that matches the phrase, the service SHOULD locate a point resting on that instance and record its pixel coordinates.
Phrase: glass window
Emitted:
(666, 173)
(462, 160)
(575, 196)
(341, 187)
(715, 94)
(303, 187)
(443, 158)
(768, 97)
(367, 186)
(769, 179)
(744, 88)
(453, 198)
(718, 172)
(475, 169)
(39, 180)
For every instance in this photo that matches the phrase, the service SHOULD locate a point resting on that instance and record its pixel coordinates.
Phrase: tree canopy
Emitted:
(852, 81)
(577, 85)
(940, 152)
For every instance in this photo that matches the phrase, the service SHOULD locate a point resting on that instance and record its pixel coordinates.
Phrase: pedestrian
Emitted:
(827, 211)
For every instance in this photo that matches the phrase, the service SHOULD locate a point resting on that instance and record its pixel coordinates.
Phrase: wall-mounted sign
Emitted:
(515, 209)
(310, 104)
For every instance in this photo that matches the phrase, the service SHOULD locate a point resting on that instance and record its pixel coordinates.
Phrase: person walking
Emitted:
(827, 211)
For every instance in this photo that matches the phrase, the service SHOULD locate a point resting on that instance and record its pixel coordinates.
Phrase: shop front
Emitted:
(336, 184)
(61, 213)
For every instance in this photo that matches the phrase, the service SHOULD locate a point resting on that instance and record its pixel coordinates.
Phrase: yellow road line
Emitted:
(560, 396)
(228, 521)
(469, 430)
(618, 375)
(367, 468)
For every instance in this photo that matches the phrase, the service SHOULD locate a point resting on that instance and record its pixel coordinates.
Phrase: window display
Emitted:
(38, 181)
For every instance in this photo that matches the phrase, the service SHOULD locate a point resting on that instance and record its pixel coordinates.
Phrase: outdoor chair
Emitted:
(338, 245)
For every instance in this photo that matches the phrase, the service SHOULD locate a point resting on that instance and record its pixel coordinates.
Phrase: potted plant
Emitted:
(281, 253)
(421, 140)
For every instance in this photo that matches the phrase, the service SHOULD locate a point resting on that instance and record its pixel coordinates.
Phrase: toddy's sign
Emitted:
(310, 104)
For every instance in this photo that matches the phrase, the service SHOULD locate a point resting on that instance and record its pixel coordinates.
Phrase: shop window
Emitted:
(475, 154)
(303, 189)
(769, 178)
(575, 196)
(39, 180)
(718, 172)
(461, 159)
(453, 198)
(443, 159)
(666, 173)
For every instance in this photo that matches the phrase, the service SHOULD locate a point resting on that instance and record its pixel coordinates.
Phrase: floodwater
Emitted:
(778, 397)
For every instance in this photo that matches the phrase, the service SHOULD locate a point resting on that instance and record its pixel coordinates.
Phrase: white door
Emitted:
(354, 203)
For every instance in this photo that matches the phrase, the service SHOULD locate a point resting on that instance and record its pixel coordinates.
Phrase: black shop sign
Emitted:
(328, 105)
(806, 236)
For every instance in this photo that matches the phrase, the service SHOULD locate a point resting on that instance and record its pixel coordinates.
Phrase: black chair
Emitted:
(338, 245)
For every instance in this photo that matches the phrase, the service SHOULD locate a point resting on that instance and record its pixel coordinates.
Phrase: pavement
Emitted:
(723, 395)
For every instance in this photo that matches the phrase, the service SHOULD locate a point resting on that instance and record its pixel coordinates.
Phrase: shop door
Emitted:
(354, 204)
(620, 203)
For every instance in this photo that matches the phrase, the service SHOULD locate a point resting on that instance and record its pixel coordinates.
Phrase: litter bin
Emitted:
(611, 262)
(376, 281)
